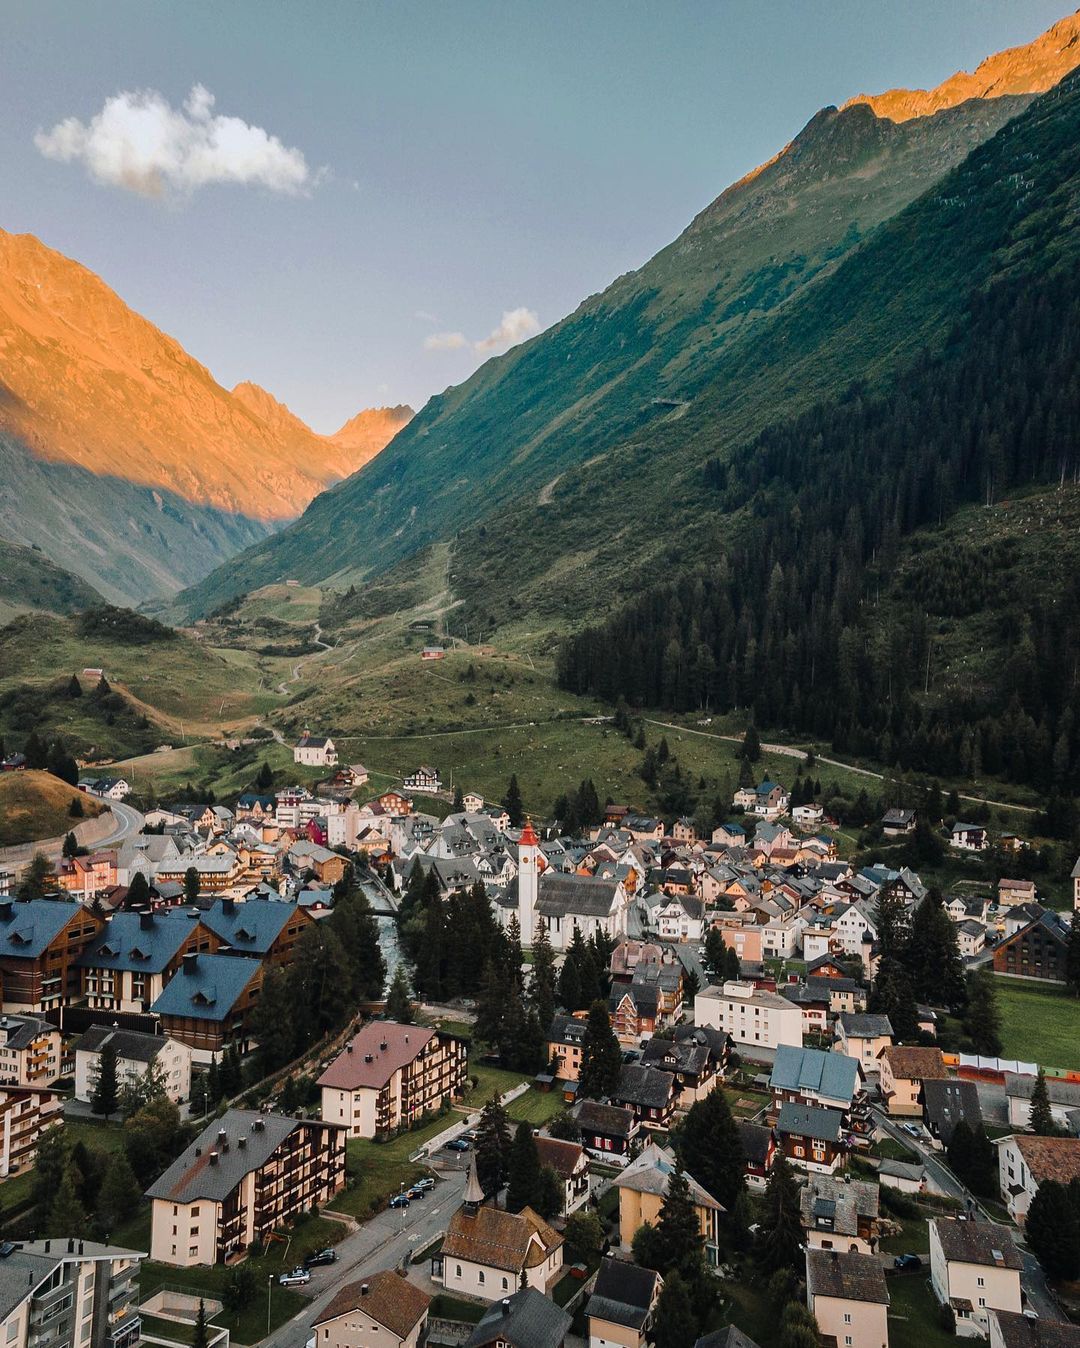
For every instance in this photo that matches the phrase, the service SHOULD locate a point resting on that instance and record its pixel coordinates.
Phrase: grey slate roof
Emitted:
(1060, 1092)
(29, 1264)
(865, 1025)
(21, 1031)
(251, 928)
(582, 895)
(603, 1120)
(527, 1319)
(730, 1337)
(809, 1121)
(977, 1243)
(192, 1175)
(947, 1101)
(852, 1277)
(623, 1293)
(646, 1087)
(131, 1045)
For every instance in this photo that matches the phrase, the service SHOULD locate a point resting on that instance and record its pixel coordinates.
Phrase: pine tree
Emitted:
(892, 996)
(570, 987)
(264, 779)
(678, 1231)
(199, 1334)
(430, 959)
(732, 967)
(492, 1146)
(983, 1020)
(674, 1323)
(1052, 1232)
(1072, 955)
(543, 975)
(550, 1194)
(191, 885)
(710, 1147)
(272, 1023)
(104, 1099)
(798, 1327)
(932, 956)
(459, 801)
(398, 1006)
(1042, 1119)
(138, 895)
(780, 1235)
(522, 1170)
(491, 1003)
(716, 952)
(751, 744)
(565, 1127)
(74, 688)
(601, 1056)
(512, 803)
(354, 923)
(39, 878)
(67, 1216)
(120, 1195)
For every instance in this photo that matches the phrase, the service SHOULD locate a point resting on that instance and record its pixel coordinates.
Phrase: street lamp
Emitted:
(269, 1290)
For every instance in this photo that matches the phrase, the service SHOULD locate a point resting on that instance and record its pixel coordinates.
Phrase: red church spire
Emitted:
(528, 836)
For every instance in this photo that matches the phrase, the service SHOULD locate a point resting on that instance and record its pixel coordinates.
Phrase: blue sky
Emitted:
(438, 165)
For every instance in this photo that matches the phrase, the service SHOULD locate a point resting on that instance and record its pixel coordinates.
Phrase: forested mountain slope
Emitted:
(629, 369)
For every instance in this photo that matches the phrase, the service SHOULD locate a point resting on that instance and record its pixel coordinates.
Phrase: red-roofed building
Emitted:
(389, 1076)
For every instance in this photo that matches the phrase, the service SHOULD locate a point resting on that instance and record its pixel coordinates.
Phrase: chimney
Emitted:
(71, 1245)
(191, 961)
(198, 1151)
(383, 1046)
(228, 905)
(348, 1048)
(258, 1125)
(213, 1158)
(506, 1305)
(222, 1135)
(363, 1289)
(369, 1057)
(5, 911)
(146, 920)
(241, 1142)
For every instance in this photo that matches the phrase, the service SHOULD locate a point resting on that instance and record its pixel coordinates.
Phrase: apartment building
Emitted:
(40, 944)
(69, 1291)
(847, 1295)
(974, 1267)
(750, 1015)
(389, 1076)
(208, 1003)
(243, 1176)
(137, 1055)
(26, 1112)
(29, 1051)
(564, 1044)
(903, 1071)
(128, 963)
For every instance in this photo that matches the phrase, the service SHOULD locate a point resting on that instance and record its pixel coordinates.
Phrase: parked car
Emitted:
(426, 1183)
(414, 1192)
(296, 1278)
(907, 1263)
(327, 1256)
(458, 1144)
(400, 1201)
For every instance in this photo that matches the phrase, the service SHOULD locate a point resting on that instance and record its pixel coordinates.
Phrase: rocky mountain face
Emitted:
(88, 387)
(616, 379)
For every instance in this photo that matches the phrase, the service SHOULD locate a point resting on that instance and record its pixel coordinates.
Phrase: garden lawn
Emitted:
(380, 1169)
(914, 1239)
(536, 1107)
(913, 1314)
(490, 1080)
(1039, 1022)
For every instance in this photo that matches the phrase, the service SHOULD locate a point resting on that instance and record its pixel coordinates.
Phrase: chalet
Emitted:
(621, 1305)
(733, 835)
(315, 751)
(897, 822)
(945, 1102)
(846, 1294)
(651, 1000)
(385, 1305)
(808, 816)
(642, 1188)
(1037, 950)
(970, 938)
(770, 800)
(692, 1063)
(208, 1003)
(1012, 892)
(569, 1162)
(41, 941)
(425, 780)
(684, 831)
(812, 1138)
(903, 1071)
(266, 931)
(649, 1092)
(607, 1131)
(564, 1044)
(433, 653)
(127, 965)
(87, 876)
(969, 837)
(525, 1319)
(759, 1152)
(840, 1215)
(809, 1076)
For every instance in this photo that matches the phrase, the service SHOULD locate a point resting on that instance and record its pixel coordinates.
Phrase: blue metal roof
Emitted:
(208, 989)
(129, 942)
(34, 924)
(833, 1075)
(250, 927)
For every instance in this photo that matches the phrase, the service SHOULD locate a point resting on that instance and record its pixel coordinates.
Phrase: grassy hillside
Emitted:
(29, 581)
(630, 364)
(37, 805)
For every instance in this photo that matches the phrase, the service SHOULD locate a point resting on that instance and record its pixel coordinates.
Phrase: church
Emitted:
(565, 902)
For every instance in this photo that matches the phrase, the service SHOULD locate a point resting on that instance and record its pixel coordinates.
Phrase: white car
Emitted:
(297, 1278)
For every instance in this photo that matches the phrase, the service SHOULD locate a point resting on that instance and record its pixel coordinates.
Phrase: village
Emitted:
(673, 1057)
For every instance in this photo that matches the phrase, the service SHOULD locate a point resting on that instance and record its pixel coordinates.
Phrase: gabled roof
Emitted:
(562, 1156)
(605, 1120)
(729, 1337)
(914, 1063)
(33, 924)
(825, 1125)
(646, 1087)
(983, 1243)
(833, 1075)
(390, 1047)
(865, 1025)
(947, 1102)
(391, 1300)
(140, 942)
(193, 1175)
(130, 1045)
(651, 1172)
(526, 1319)
(1019, 1331)
(623, 1293)
(250, 928)
(847, 1277)
(208, 988)
(19, 1032)
(498, 1239)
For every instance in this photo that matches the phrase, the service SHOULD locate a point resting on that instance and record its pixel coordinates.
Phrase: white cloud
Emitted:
(516, 325)
(445, 341)
(139, 142)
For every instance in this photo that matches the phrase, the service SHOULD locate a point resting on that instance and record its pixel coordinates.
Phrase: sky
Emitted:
(356, 203)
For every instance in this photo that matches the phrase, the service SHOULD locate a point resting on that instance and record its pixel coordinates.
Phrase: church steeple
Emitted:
(474, 1195)
(527, 881)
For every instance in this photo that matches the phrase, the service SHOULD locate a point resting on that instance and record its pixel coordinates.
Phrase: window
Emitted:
(458, 1267)
(193, 1250)
(981, 1282)
(847, 1317)
(506, 1284)
(480, 1277)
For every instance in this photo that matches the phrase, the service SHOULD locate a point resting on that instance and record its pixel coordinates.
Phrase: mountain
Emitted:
(366, 434)
(529, 446)
(89, 390)
(28, 580)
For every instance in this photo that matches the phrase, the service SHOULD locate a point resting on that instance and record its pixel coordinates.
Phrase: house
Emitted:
(315, 751)
(808, 816)
(846, 1294)
(385, 1309)
(642, 1188)
(897, 822)
(750, 1015)
(26, 1113)
(88, 876)
(649, 1092)
(390, 1076)
(29, 1051)
(607, 1131)
(1037, 950)
(433, 653)
(770, 800)
(969, 837)
(525, 1319)
(208, 1003)
(490, 1253)
(863, 1035)
(903, 1071)
(567, 903)
(904, 1176)
(695, 1065)
(945, 1102)
(1064, 1098)
(680, 919)
(809, 1076)
(974, 1268)
(1024, 1161)
(970, 937)
(569, 1162)
(759, 1152)
(425, 780)
(683, 830)
(266, 931)
(649, 1002)
(1010, 1330)
(1013, 892)
(812, 1138)
(128, 963)
(620, 1308)
(67, 1291)
(40, 944)
(564, 1043)
(244, 1176)
(137, 1054)
(839, 1215)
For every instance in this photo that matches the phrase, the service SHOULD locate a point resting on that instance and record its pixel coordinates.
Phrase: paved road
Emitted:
(380, 1243)
(128, 822)
(1036, 1292)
